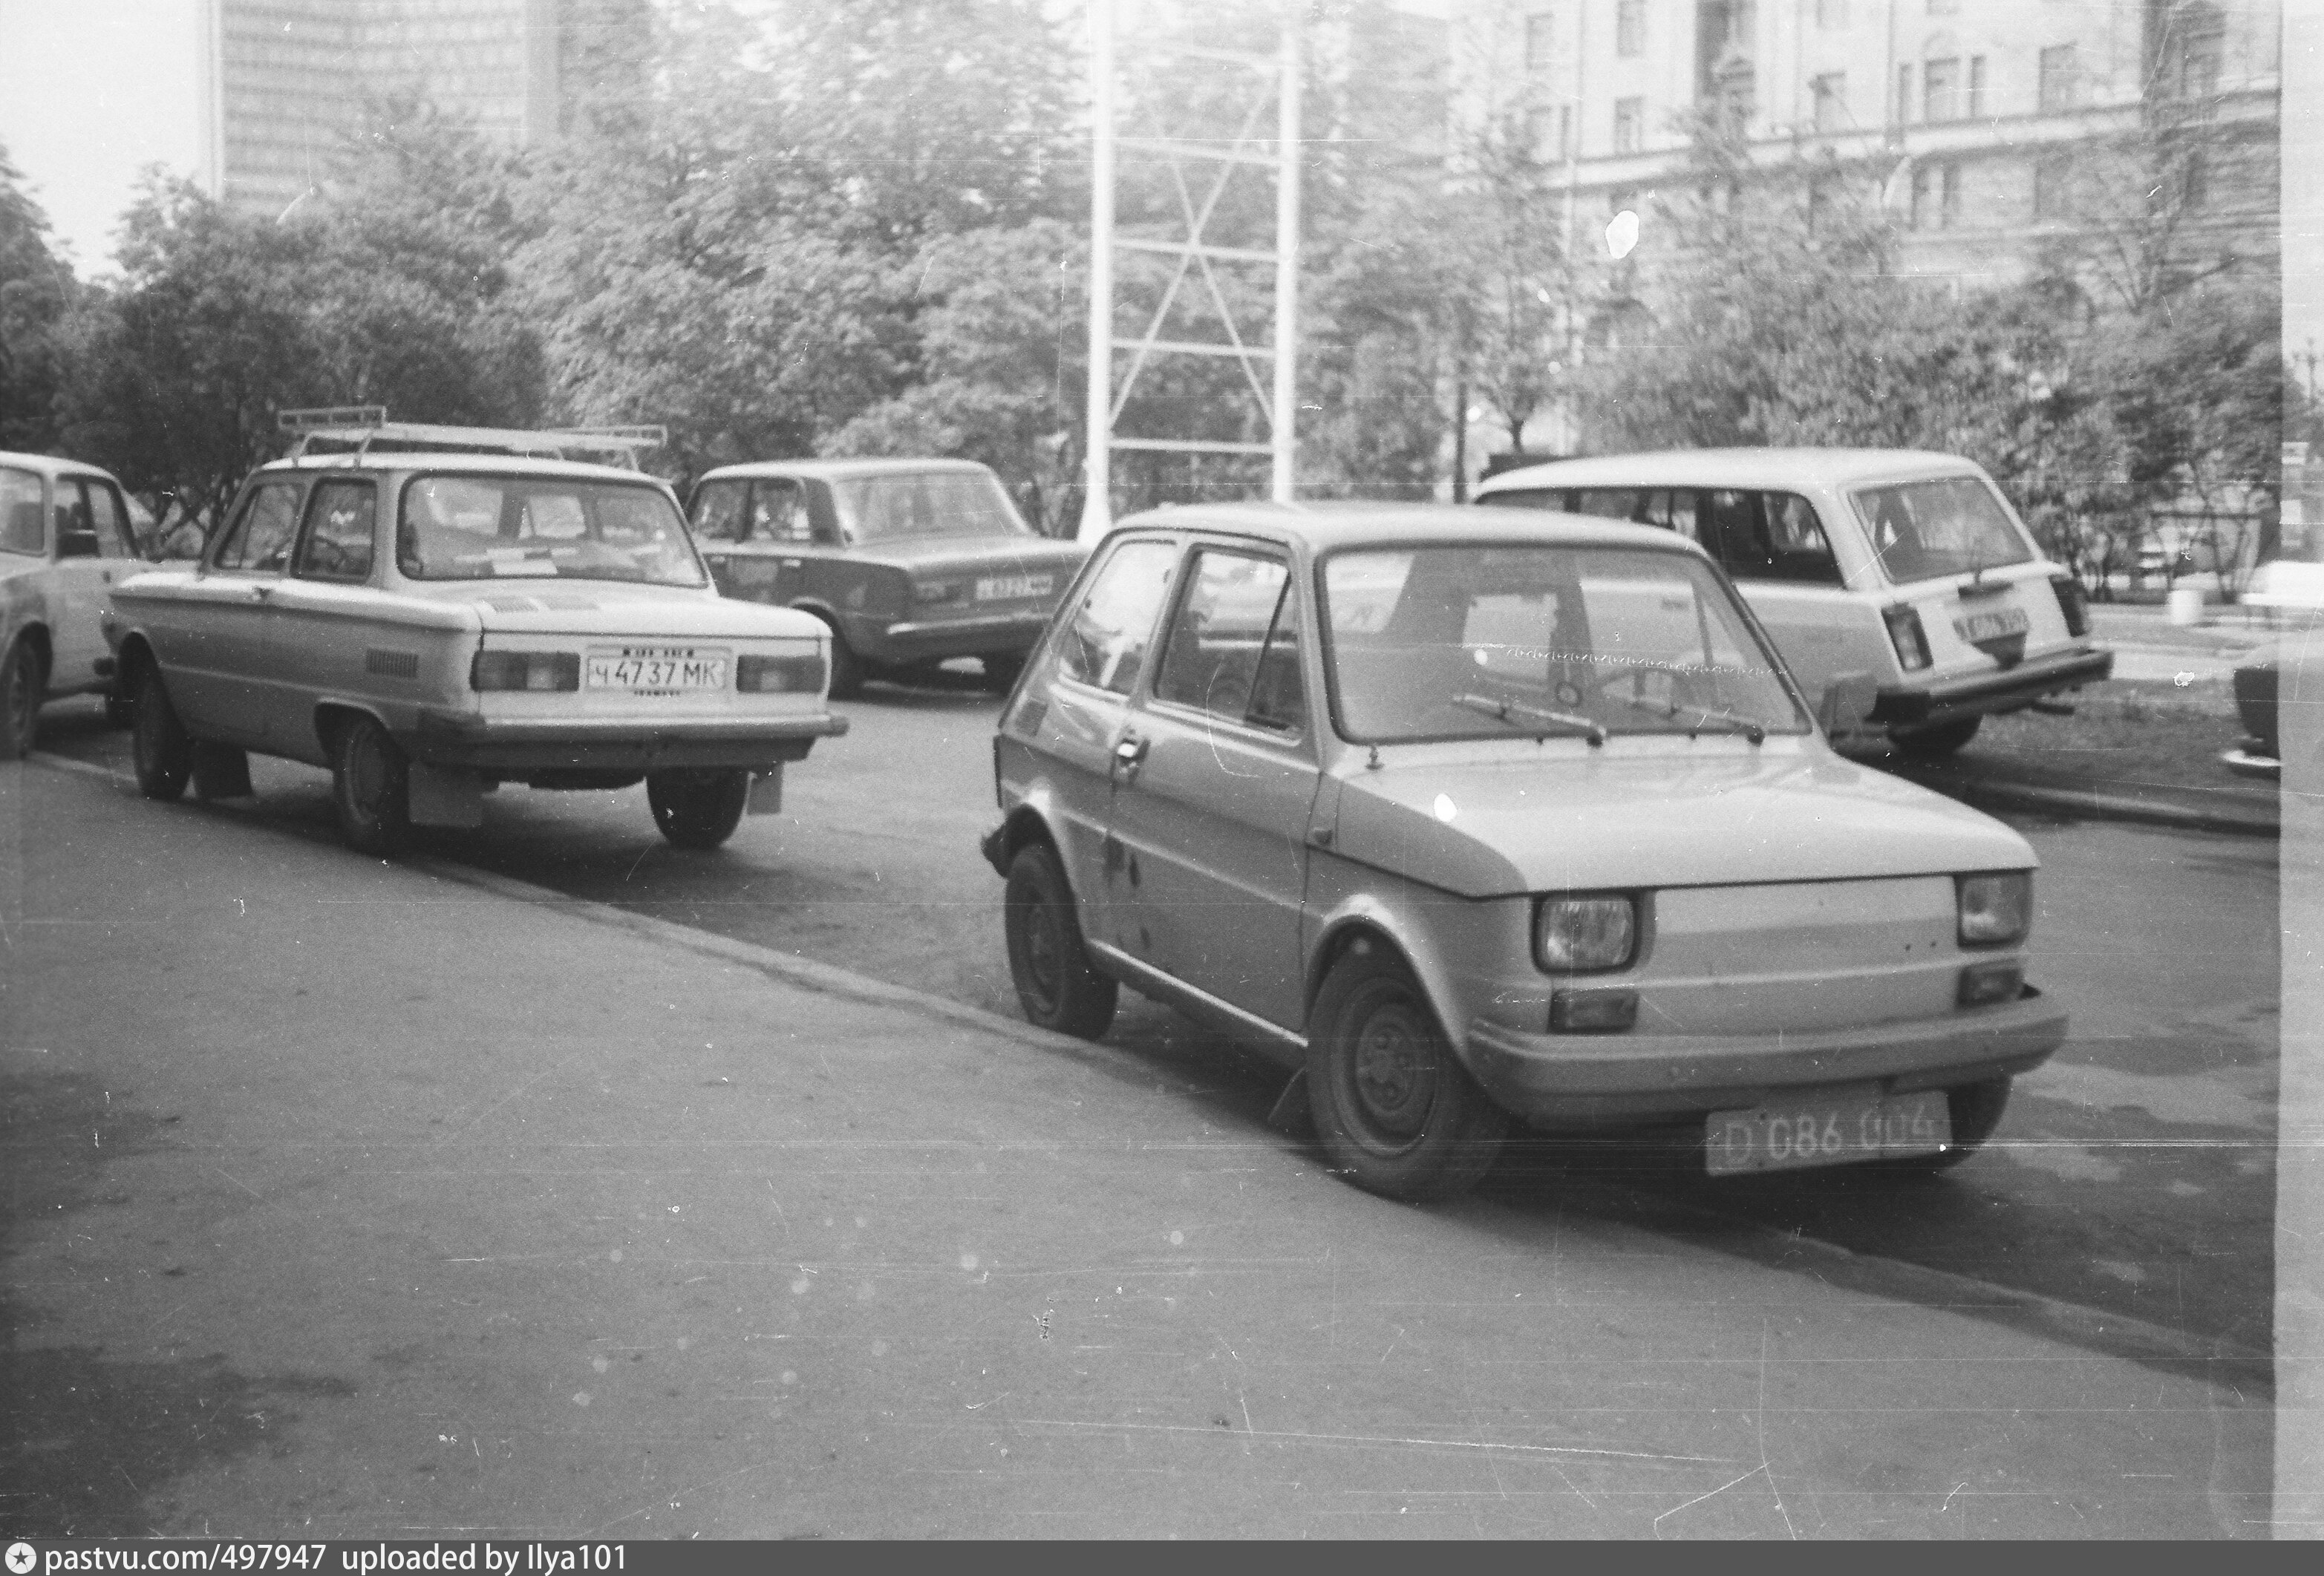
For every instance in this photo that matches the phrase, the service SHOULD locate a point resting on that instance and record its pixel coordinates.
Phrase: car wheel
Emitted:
(1000, 672)
(120, 711)
(158, 750)
(22, 681)
(1397, 1111)
(698, 809)
(1935, 743)
(370, 789)
(846, 668)
(1976, 1109)
(1055, 981)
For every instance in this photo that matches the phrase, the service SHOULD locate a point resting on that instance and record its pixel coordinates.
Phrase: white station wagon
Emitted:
(430, 625)
(64, 541)
(1470, 815)
(1904, 592)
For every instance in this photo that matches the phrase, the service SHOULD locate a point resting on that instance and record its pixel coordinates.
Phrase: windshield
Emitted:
(1951, 526)
(926, 504)
(483, 528)
(1476, 642)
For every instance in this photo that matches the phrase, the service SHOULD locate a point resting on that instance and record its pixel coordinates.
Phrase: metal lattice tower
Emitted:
(1205, 167)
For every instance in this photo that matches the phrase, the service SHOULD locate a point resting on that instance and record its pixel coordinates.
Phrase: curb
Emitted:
(2095, 807)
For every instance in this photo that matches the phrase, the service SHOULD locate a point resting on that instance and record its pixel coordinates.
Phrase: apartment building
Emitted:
(1966, 115)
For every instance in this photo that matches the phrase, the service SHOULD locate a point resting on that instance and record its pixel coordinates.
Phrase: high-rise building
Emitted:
(286, 80)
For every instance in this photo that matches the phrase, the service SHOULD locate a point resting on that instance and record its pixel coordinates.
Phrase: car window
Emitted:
(1951, 525)
(76, 528)
(718, 511)
(20, 512)
(484, 526)
(259, 540)
(779, 511)
(1104, 642)
(1609, 502)
(926, 504)
(1767, 536)
(109, 520)
(340, 517)
(1230, 650)
(1527, 498)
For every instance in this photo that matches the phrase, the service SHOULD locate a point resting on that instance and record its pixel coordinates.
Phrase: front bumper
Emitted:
(1583, 1080)
(1949, 700)
(554, 743)
(996, 634)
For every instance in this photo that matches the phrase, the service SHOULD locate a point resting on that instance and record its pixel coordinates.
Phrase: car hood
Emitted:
(1490, 828)
(513, 607)
(1010, 555)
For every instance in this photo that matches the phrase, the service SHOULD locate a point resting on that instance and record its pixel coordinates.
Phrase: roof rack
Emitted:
(358, 428)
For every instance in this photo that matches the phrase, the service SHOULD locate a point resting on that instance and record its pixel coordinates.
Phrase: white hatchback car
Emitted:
(1902, 591)
(64, 540)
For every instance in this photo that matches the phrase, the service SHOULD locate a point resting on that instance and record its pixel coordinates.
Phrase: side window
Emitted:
(20, 512)
(1673, 509)
(1609, 502)
(1730, 531)
(76, 530)
(718, 512)
(259, 540)
(1104, 642)
(338, 544)
(779, 511)
(1798, 549)
(1228, 652)
(111, 521)
(1528, 498)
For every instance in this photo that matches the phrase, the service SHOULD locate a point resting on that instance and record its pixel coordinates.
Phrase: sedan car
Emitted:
(908, 562)
(1476, 817)
(430, 625)
(64, 541)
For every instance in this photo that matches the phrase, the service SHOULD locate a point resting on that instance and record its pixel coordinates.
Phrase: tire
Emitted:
(120, 711)
(158, 746)
(1935, 743)
(1000, 672)
(1976, 1109)
(846, 668)
(1054, 982)
(370, 789)
(698, 809)
(1398, 1114)
(24, 682)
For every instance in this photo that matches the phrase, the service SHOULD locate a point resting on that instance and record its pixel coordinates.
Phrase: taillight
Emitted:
(760, 674)
(2073, 603)
(1905, 634)
(547, 670)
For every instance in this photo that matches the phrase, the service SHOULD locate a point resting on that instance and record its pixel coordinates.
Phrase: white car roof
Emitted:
(843, 470)
(48, 464)
(1735, 467)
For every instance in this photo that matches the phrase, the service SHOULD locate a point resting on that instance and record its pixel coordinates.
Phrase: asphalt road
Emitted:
(358, 1199)
(2135, 1175)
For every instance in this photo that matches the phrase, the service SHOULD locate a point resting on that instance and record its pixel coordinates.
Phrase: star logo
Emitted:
(21, 1559)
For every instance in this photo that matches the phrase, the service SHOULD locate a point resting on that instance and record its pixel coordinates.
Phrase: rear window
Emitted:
(1951, 525)
(926, 504)
(482, 527)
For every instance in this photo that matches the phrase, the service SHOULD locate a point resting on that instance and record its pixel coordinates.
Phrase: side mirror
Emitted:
(1847, 704)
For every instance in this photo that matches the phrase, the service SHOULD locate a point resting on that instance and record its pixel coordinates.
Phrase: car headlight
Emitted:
(1578, 934)
(1996, 909)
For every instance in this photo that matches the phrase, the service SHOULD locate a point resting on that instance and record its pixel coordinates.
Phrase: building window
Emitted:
(1940, 90)
(1551, 132)
(2051, 171)
(1948, 206)
(2062, 73)
(1630, 27)
(1830, 91)
(1832, 13)
(1976, 86)
(1903, 94)
(2193, 47)
(1541, 41)
(1629, 125)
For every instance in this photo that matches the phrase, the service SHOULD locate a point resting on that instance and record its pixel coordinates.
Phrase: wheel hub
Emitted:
(1394, 1070)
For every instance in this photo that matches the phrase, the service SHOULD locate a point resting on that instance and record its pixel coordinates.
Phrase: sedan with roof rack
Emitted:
(432, 612)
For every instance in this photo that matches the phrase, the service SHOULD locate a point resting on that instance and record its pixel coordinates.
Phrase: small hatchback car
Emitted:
(429, 625)
(64, 541)
(1903, 574)
(1474, 815)
(909, 562)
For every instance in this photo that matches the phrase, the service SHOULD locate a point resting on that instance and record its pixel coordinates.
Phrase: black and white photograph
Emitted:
(1154, 770)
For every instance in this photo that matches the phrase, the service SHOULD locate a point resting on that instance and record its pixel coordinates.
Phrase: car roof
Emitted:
(497, 465)
(1732, 467)
(1325, 525)
(843, 470)
(50, 464)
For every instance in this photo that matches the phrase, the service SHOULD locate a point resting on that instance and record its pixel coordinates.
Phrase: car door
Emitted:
(1775, 547)
(314, 641)
(1097, 654)
(215, 657)
(1215, 779)
(91, 547)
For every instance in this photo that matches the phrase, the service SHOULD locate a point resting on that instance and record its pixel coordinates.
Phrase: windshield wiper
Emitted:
(1512, 711)
(1751, 728)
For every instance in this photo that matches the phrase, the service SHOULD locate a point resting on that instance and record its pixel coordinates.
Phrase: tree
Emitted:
(36, 290)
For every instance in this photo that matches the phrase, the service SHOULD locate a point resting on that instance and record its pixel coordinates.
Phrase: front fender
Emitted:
(1396, 915)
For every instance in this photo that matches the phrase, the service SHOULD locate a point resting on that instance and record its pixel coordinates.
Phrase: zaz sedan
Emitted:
(908, 562)
(1480, 817)
(431, 625)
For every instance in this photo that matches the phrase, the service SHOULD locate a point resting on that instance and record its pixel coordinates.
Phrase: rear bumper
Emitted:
(1004, 632)
(1581, 1080)
(551, 743)
(1947, 700)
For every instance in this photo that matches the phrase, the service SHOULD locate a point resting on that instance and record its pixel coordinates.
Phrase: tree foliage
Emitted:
(36, 289)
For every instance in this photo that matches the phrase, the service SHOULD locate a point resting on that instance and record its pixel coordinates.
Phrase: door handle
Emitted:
(1129, 754)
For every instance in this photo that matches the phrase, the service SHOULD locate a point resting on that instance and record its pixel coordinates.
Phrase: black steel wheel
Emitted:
(160, 751)
(1398, 1114)
(370, 789)
(1047, 961)
(698, 809)
(1935, 743)
(846, 668)
(120, 711)
(24, 679)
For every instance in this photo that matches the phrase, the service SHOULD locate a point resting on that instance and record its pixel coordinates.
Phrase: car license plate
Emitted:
(1013, 587)
(1997, 625)
(658, 669)
(1827, 1130)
